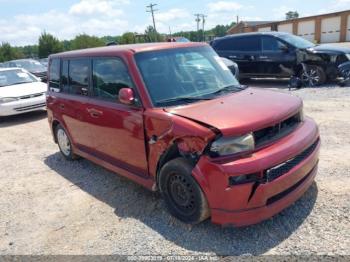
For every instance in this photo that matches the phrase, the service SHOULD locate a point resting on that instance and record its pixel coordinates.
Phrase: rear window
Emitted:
(245, 44)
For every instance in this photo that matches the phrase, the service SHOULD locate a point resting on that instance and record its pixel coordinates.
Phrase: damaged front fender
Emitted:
(169, 136)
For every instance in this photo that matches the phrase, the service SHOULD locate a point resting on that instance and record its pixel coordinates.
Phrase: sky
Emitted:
(22, 21)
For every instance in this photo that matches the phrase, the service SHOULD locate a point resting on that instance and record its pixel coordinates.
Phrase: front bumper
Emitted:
(250, 203)
(23, 106)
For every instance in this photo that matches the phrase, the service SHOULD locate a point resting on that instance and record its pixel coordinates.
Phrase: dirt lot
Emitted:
(51, 206)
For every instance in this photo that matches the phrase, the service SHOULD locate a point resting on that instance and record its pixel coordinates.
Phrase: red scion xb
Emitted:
(171, 117)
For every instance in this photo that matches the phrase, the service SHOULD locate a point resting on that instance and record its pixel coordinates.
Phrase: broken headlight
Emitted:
(225, 146)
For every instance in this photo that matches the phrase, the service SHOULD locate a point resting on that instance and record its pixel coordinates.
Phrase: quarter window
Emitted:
(54, 73)
(64, 76)
(109, 75)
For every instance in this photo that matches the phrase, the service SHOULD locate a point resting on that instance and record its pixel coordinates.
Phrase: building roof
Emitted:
(134, 48)
(249, 23)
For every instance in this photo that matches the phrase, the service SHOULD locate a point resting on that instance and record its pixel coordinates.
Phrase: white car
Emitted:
(20, 92)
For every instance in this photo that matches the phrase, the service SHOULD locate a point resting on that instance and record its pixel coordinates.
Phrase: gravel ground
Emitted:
(51, 206)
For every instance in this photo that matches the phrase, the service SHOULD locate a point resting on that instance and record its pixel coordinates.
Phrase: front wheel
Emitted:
(312, 75)
(183, 196)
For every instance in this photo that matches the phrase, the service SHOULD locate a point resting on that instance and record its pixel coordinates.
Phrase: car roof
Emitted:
(272, 33)
(134, 48)
(20, 60)
(9, 68)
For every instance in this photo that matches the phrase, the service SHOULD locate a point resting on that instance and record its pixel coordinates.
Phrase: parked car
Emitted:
(31, 65)
(20, 92)
(232, 66)
(44, 62)
(277, 54)
(173, 118)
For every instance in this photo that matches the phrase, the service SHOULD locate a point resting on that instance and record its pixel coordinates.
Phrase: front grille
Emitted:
(281, 195)
(285, 167)
(25, 108)
(269, 134)
(31, 96)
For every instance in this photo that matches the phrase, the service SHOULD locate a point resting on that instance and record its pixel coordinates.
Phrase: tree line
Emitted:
(49, 44)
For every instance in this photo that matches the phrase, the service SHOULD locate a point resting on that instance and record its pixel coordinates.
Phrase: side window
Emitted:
(78, 76)
(54, 73)
(271, 44)
(248, 44)
(109, 75)
(243, 44)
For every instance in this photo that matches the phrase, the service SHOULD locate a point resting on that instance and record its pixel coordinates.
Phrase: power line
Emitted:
(151, 10)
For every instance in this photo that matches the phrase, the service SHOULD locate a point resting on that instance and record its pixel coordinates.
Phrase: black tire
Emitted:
(69, 155)
(183, 196)
(314, 76)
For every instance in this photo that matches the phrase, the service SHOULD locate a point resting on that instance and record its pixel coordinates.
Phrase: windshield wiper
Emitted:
(182, 99)
(229, 88)
(17, 83)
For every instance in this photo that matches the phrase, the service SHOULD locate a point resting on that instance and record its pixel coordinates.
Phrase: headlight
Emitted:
(4, 100)
(348, 56)
(232, 145)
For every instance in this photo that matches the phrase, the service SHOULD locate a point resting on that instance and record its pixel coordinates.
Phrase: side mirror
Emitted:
(284, 48)
(126, 96)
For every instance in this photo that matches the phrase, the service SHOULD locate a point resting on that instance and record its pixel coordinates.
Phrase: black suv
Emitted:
(277, 54)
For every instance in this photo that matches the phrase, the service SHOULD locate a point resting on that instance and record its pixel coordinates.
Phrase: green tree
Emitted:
(292, 15)
(48, 44)
(127, 38)
(153, 35)
(7, 52)
(86, 41)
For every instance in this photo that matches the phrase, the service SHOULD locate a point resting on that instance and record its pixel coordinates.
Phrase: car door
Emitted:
(71, 101)
(277, 57)
(116, 129)
(245, 51)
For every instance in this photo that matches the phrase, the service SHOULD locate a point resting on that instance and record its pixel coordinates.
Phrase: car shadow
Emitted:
(7, 121)
(132, 201)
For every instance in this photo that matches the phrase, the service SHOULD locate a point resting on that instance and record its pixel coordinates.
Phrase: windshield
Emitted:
(15, 76)
(296, 41)
(184, 74)
(30, 65)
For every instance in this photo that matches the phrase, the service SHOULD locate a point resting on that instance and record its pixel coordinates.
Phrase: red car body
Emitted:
(119, 137)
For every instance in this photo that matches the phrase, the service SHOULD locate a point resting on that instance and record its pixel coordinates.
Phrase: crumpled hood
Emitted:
(326, 48)
(23, 89)
(241, 112)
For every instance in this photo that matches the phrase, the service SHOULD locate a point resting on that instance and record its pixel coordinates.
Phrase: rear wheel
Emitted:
(183, 196)
(313, 75)
(64, 143)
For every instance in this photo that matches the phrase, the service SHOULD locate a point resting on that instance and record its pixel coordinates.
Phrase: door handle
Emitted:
(232, 56)
(94, 112)
(61, 106)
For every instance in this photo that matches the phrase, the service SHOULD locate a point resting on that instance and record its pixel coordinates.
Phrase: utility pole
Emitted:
(197, 20)
(203, 22)
(151, 10)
